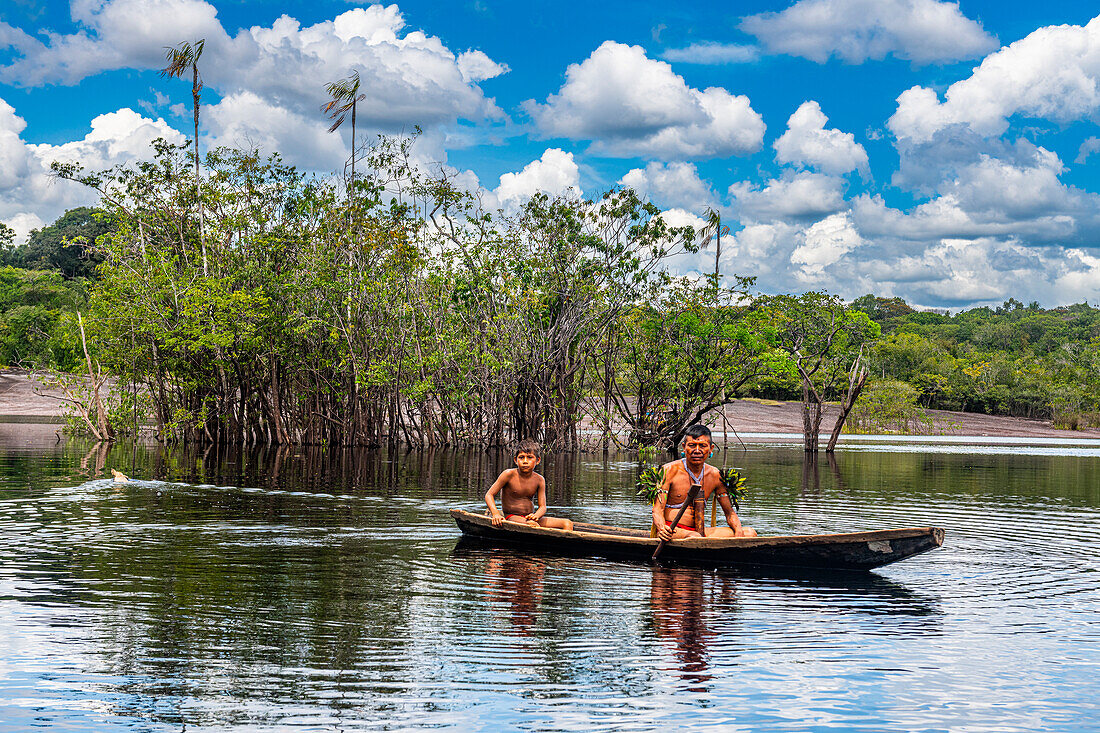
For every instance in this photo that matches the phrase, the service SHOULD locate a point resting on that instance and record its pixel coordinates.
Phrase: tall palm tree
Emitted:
(181, 58)
(714, 228)
(345, 97)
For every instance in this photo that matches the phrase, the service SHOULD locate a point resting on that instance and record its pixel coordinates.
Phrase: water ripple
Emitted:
(222, 602)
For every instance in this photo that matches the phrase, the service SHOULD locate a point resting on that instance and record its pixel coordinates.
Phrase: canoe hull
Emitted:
(848, 551)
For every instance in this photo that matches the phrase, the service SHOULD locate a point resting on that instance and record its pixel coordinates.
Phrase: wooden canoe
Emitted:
(848, 551)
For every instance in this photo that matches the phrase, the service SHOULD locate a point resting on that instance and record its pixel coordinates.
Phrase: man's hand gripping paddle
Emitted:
(695, 489)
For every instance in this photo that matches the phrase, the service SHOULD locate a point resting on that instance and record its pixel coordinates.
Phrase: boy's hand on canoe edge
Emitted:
(497, 519)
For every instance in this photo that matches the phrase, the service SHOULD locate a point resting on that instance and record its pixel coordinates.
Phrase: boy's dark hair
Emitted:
(698, 430)
(527, 446)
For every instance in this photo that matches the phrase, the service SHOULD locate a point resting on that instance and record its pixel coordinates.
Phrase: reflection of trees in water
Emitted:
(838, 477)
(293, 625)
(385, 472)
(225, 599)
(93, 462)
(811, 474)
(198, 593)
(517, 581)
(680, 615)
(559, 472)
(776, 474)
(259, 611)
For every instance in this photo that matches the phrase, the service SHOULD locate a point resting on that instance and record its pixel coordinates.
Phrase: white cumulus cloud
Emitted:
(31, 196)
(825, 243)
(246, 120)
(1053, 74)
(921, 31)
(408, 77)
(114, 34)
(476, 66)
(554, 173)
(631, 105)
(807, 142)
(792, 197)
(672, 184)
(1088, 148)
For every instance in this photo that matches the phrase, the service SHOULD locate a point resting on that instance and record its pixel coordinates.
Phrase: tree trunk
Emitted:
(353, 105)
(855, 385)
(198, 189)
(811, 412)
(811, 421)
(104, 430)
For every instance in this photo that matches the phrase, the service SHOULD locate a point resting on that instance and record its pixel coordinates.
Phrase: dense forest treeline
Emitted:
(1018, 360)
(255, 304)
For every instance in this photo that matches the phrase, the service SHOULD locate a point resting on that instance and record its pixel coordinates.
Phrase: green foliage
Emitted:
(683, 350)
(67, 246)
(649, 483)
(884, 311)
(258, 304)
(404, 312)
(823, 340)
(734, 482)
(126, 407)
(1013, 360)
(888, 406)
(35, 308)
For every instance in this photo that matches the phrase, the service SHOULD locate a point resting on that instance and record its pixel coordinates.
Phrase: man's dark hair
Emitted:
(698, 430)
(528, 446)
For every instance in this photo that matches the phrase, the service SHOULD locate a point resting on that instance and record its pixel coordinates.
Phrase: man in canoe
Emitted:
(679, 477)
(518, 487)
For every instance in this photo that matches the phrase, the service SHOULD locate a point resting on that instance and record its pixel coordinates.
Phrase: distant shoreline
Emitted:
(20, 403)
(771, 416)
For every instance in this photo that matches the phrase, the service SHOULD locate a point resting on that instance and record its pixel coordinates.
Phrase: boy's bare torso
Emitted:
(517, 495)
(520, 488)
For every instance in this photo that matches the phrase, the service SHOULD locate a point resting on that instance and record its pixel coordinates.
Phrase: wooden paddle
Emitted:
(695, 488)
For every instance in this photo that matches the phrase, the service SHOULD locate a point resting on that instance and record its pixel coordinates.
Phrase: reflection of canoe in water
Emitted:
(849, 551)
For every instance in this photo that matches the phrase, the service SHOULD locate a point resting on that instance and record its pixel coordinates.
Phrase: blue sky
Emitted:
(943, 152)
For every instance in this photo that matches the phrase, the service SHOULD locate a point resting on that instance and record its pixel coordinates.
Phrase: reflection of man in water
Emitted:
(517, 580)
(677, 600)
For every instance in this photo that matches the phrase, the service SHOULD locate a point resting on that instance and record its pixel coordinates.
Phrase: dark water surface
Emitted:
(305, 590)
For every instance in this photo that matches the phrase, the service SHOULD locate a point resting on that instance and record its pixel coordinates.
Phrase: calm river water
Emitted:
(305, 590)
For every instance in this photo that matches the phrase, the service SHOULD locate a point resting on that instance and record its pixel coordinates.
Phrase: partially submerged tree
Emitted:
(683, 351)
(821, 337)
(321, 322)
(857, 378)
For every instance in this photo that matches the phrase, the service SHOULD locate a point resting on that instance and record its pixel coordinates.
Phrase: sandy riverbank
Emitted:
(20, 401)
(767, 416)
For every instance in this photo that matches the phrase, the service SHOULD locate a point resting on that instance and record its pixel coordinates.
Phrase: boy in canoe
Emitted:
(679, 477)
(518, 487)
